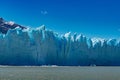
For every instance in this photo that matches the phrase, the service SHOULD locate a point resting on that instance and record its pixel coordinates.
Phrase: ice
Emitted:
(39, 46)
(10, 23)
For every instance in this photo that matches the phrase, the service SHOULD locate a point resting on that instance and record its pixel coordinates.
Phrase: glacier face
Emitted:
(44, 47)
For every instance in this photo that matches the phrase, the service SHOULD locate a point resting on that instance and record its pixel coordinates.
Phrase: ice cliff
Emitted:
(39, 46)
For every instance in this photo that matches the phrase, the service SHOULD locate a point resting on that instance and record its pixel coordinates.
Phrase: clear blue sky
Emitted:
(93, 18)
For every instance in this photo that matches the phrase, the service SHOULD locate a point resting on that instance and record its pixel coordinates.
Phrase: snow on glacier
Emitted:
(38, 46)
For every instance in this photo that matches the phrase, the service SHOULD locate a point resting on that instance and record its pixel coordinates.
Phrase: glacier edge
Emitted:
(38, 46)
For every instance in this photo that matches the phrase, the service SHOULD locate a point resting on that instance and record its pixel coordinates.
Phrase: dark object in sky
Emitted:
(5, 26)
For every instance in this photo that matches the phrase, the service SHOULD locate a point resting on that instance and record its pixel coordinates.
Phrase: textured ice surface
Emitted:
(39, 46)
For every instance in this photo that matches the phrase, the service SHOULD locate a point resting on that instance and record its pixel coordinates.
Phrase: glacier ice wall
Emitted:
(44, 47)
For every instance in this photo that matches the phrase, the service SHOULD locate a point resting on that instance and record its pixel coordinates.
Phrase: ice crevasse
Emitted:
(39, 46)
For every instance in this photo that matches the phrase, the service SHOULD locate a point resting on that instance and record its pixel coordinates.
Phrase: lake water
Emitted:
(59, 73)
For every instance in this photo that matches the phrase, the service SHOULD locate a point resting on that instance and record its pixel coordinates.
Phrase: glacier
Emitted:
(40, 46)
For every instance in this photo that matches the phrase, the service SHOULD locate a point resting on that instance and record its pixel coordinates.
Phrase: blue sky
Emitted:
(93, 18)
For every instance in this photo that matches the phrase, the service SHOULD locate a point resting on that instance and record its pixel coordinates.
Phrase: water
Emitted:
(59, 73)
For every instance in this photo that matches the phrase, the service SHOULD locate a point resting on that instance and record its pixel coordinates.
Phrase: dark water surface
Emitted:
(59, 73)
